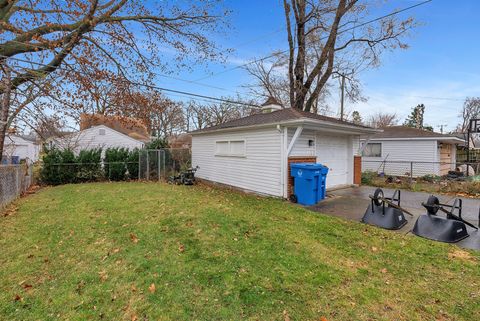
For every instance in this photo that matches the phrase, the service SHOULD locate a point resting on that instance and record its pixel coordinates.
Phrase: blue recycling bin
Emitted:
(309, 182)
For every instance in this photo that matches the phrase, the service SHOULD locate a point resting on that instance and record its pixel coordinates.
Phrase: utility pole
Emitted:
(441, 127)
(342, 90)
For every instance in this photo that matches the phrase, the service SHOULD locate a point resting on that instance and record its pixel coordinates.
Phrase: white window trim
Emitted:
(370, 143)
(229, 154)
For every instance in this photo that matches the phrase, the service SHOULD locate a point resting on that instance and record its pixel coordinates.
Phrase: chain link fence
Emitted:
(14, 181)
(152, 164)
(414, 169)
(159, 164)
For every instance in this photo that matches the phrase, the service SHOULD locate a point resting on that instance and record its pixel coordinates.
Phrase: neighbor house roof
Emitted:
(278, 117)
(131, 127)
(403, 132)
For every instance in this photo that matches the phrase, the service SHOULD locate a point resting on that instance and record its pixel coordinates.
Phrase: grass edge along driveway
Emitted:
(147, 251)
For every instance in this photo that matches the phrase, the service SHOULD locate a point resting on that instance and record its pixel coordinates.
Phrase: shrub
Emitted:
(132, 163)
(157, 143)
(89, 165)
(115, 158)
(368, 177)
(430, 178)
(58, 167)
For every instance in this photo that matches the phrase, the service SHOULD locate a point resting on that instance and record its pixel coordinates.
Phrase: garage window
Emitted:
(372, 150)
(230, 148)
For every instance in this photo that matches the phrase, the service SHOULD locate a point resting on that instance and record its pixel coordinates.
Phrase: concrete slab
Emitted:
(351, 203)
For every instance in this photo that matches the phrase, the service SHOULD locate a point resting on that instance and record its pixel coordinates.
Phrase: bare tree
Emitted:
(78, 45)
(383, 119)
(200, 116)
(269, 79)
(328, 20)
(197, 116)
(470, 110)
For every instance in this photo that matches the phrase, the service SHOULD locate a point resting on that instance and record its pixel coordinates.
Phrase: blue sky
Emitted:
(440, 68)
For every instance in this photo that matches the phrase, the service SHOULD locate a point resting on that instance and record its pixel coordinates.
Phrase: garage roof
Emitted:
(277, 117)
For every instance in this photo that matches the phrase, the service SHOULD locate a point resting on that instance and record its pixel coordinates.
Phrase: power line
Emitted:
(190, 94)
(323, 38)
(156, 74)
(169, 76)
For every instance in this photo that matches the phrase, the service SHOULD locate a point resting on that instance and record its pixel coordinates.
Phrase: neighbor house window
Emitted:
(372, 150)
(230, 148)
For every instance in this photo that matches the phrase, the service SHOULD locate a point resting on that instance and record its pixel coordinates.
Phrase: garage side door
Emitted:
(332, 151)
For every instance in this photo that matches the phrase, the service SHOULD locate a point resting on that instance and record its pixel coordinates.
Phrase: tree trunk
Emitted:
(5, 106)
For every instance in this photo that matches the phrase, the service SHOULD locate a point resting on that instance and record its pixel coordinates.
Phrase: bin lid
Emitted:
(307, 166)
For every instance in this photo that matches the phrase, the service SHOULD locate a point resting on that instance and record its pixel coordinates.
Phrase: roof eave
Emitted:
(450, 139)
(314, 123)
(325, 124)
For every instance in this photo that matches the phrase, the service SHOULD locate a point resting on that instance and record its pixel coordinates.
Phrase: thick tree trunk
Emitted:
(5, 106)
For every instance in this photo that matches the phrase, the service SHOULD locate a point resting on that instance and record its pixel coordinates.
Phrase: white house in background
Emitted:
(25, 147)
(393, 150)
(99, 136)
(253, 153)
(101, 131)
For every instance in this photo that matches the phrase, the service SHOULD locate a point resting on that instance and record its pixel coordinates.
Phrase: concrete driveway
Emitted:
(351, 203)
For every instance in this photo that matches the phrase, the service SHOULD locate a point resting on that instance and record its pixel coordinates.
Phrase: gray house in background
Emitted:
(393, 151)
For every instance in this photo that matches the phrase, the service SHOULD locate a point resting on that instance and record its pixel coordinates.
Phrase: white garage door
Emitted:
(332, 151)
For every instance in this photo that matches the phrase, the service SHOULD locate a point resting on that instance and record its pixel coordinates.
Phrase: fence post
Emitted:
(411, 172)
(158, 161)
(148, 167)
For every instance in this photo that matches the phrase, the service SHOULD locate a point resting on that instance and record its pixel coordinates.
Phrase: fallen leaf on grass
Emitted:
(323, 319)
(286, 317)
(27, 286)
(384, 270)
(151, 288)
(134, 317)
(374, 249)
(461, 255)
(18, 298)
(181, 248)
(10, 210)
(103, 276)
(133, 288)
(133, 238)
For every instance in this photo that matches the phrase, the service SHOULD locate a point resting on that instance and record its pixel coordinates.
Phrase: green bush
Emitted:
(59, 167)
(157, 143)
(63, 167)
(89, 165)
(115, 159)
(368, 177)
(430, 178)
(132, 163)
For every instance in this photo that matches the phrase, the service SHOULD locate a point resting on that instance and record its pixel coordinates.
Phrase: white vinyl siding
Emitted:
(399, 154)
(91, 138)
(301, 147)
(17, 146)
(260, 168)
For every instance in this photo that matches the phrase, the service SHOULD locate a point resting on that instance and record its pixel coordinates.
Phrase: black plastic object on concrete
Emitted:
(385, 212)
(449, 229)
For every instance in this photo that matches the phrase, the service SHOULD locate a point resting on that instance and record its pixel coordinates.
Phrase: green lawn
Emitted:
(145, 251)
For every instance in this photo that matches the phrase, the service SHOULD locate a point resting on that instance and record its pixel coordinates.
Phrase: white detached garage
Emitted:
(253, 153)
